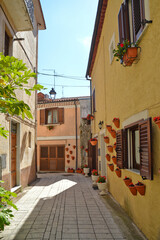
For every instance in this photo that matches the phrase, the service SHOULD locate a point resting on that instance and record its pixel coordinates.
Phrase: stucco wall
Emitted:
(123, 92)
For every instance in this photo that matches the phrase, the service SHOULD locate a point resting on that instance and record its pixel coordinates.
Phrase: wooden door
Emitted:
(92, 156)
(52, 158)
(13, 159)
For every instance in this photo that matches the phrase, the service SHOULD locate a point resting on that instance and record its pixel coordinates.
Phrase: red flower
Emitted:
(122, 45)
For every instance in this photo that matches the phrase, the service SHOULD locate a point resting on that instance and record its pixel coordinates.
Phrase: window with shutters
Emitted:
(51, 116)
(131, 20)
(134, 148)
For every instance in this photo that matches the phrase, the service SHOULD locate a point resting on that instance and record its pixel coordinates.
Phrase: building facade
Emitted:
(20, 22)
(130, 94)
(58, 133)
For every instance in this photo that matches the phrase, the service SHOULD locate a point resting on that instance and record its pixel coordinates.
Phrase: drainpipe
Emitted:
(76, 132)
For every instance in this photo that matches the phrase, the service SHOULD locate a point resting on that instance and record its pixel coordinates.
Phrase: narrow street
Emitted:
(65, 206)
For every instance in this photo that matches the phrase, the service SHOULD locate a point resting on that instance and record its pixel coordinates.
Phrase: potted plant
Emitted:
(118, 172)
(127, 180)
(82, 147)
(102, 185)
(116, 122)
(140, 188)
(50, 127)
(79, 170)
(72, 157)
(126, 52)
(93, 141)
(86, 150)
(68, 161)
(106, 139)
(86, 170)
(114, 146)
(108, 157)
(109, 127)
(90, 117)
(94, 176)
(110, 148)
(114, 159)
(67, 149)
(74, 146)
(113, 133)
(157, 120)
(111, 166)
(67, 155)
(70, 152)
(70, 170)
(132, 189)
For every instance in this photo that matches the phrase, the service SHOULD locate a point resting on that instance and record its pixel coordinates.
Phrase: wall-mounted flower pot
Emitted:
(130, 56)
(68, 161)
(109, 127)
(116, 122)
(114, 146)
(108, 157)
(133, 189)
(106, 139)
(67, 155)
(74, 146)
(72, 157)
(110, 148)
(118, 172)
(113, 133)
(127, 181)
(67, 149)
(140, 188)
(114, 159)
(93, 141)
(70, 152)
(111, 166)
(82, 147)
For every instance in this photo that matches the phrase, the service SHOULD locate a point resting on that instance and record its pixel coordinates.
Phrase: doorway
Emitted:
(13, 154)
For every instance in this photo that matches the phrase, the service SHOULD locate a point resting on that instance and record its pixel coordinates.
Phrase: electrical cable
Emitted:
(63, 76)
(61, 85)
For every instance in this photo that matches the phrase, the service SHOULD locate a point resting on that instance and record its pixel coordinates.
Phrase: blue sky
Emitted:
(64, 46)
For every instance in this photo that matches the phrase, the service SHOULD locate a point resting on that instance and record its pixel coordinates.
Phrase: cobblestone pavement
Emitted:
(64, 207)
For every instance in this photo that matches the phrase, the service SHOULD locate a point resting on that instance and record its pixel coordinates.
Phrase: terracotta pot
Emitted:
(82, 147)
(130, 56)
(118, 172)
(133, 190)
(116, 122)
(114, 146)
(70, 152)
(68, 161)
(106, 139)
(67, 155)
(72, 157)
(110, 148)
(70, 171)
(111, 166)
(113, 133)
(108, 157)
(127, 181)
(82, 171)
(66, 149)
(140, 189)
(109, 127)
(158, 123)
(93, 142)
(78, 171)
(74, 146)
(114, 159)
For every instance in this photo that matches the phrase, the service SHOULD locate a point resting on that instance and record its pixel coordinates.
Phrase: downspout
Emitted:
(76, 132)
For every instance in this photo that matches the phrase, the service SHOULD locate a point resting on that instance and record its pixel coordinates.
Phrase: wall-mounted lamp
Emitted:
(100, 124)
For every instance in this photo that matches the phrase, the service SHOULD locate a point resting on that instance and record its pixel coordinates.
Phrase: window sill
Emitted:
(52, 124)
(134, 171)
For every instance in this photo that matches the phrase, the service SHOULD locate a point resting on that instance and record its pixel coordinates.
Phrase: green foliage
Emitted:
(14, 75)
(5, 212)
(122, 49)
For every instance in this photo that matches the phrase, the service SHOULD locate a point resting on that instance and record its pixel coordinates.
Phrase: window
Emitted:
(29, 139)
(134, 148)
(94, 101)
(6, 44)
(52, 116)
(131, 20)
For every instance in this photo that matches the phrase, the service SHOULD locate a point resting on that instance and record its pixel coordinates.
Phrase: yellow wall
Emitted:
(123, 92)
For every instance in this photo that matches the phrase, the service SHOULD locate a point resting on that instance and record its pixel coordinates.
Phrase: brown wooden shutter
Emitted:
(42, 116)
(125, 148)
(94, 101)
(146, 168)
(138, 14)
(120, 148)
(61, 115)
(123, 23)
